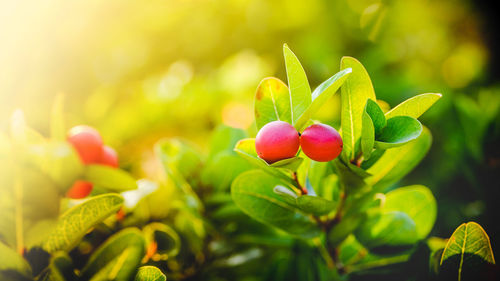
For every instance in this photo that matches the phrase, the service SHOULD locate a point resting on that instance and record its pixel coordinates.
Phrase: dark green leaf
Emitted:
(414, 107)
(117, 258)
(61, 268)
(377, 116)
(355, 92)
(387, 229)
(467, 253)
(253, 192)
(75, 222)
(418, 203)
(109, 178)
(300, 92)
(321, 94)
(167, 240)
(149, 273)
(272, 102)
(315, 205)
(399, 130)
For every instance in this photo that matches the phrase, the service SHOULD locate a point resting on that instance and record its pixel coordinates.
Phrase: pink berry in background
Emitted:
(277, 140)
(109, 157)
(321, 142)
(79, 190)
(88, 143)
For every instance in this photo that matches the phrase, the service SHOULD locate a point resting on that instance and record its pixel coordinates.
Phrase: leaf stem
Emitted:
(303, 189)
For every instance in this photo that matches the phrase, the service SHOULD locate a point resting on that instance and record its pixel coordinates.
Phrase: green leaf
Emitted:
(167, 240)
(179, 158)
(367, 135)
(10, 260)
(377, 116)
(252, 191)
(315, 205)
(387, 229)
(272, 102)
(467, 253)
(355, 92)
(109, 178)
(399, 130)
(117, 258)
(418, 203)
(223, 169)
(300, 92)
(61, 268)
(75, 222)
(223, 139)
(397, 162)
(289, 163)
(344, 228)
(149, 273)
(414, 107)
(321, 94)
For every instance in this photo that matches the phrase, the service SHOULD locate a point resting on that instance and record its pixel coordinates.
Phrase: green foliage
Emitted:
(149, 273)
(109, 178)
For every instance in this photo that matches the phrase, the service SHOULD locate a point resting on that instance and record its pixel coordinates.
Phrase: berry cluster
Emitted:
(88, 143)
(279, 140)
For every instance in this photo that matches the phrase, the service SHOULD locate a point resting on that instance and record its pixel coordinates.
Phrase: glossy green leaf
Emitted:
(355, 92)
(272, 102)
(61, 268)
(414, 107)
(395, 163)
(149, 273)
(10, 260)
(109, 178)
(315, 205)
(467, 253)
(117, 258)
(289, 163)
(321, 94)
(377, 116)
(367, 135)
(75, 222)
(387, 229)
(398, 131)
(223, 139)
(253, 192)
(418, 203)
(300, 92)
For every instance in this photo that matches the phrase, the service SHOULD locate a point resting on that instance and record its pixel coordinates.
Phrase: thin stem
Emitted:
(324, 253)
(303, 189)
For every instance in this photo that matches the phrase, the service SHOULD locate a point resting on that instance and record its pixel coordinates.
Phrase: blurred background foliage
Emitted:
(139, 71)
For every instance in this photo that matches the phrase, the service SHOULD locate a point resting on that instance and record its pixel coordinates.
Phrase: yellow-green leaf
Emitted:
(149, 273)
(272, 102)
(415, 106)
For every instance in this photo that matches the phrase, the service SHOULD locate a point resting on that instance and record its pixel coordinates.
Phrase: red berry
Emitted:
(277, 140)
(88, 143)
(79, 190)
(109, 157)
(321, 142)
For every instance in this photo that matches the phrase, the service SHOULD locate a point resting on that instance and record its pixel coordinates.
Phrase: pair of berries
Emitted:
(88, 143)
(279, 140)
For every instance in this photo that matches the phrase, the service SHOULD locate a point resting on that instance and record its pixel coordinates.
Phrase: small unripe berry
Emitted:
(321, 142)
(88, 143)
(79, 190)
(109, 157)
(277, 140)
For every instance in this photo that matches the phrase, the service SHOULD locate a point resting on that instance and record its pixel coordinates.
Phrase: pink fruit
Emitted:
(88, 143)
(277, 140)
(109, 157)
(79, 190)
(321, 142)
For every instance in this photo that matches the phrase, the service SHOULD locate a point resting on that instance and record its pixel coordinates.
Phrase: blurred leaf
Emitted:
(387, 229)
(109, 178)
(467, 253)
(344, 228)
(355, 92)
(395, 163)
(300, 92)
(321, 94)
(149, 273)
(117, 258)
(167, 240)
(61, 268)
(253, 192)
(418, 203)
(223, 169)
(399, 130)
(414, 107)
(272, 102)
(223, 139)
(10, 260)
(315, 205)
(57, 126)
(75, 222)
(179, 157)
